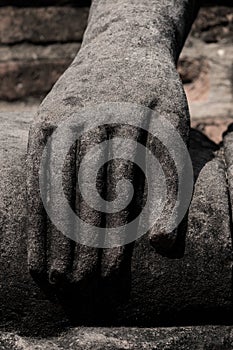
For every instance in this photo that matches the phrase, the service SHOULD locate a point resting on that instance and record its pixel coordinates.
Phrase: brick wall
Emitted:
(36, 45)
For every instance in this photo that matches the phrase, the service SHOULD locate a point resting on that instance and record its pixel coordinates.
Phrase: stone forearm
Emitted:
(128, 55)
(151, 24)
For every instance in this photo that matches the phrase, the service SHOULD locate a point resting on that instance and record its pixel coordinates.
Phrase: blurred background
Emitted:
(39, 39)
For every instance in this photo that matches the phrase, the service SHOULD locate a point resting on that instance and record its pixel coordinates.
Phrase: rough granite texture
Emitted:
(120, 38)
(79, 3)
(139, 38)
(195, 338)
(196, 288)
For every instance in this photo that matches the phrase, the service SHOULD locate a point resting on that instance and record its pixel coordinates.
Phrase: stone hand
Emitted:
(125, 61)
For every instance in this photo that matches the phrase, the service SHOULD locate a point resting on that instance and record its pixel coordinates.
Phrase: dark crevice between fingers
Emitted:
(177, 247)
(37, 226)
(82, 298)
(167, 244)
(61, 248)
(116, 262)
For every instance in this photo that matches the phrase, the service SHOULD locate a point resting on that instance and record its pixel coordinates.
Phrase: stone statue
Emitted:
(121, 38)
(129, 54)
(144, 38)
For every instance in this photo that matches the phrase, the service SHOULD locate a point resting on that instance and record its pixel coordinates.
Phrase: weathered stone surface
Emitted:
(79, 3)
(164, 291)
(197, 267)
(21, 302)
(152, 84)
(31, 70)
(197, 338)
(42, 25)
(196, 288)
(120, 38)
(183, 338)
